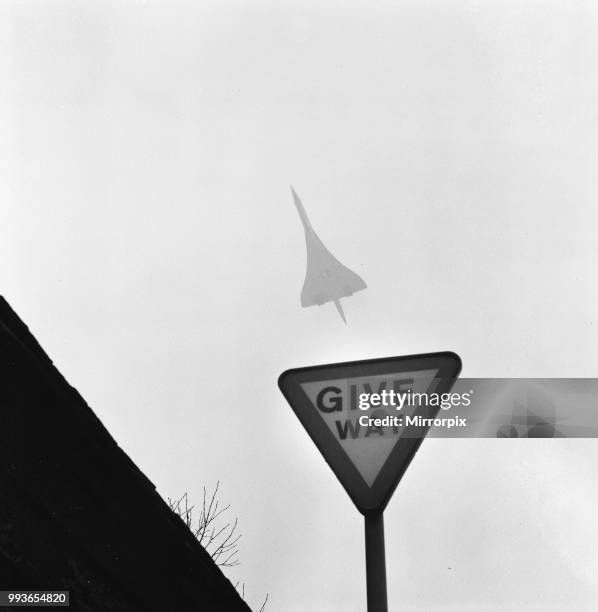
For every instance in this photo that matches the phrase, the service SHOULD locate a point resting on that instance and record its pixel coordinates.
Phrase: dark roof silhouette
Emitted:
(75, 512)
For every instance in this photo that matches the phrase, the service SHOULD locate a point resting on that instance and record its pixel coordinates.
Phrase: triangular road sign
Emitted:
(369, 459)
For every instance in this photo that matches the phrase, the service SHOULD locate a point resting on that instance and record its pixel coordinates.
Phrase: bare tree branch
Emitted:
(221, 542)
(263, 607)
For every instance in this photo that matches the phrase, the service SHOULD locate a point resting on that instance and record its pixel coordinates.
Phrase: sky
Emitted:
(444, 151)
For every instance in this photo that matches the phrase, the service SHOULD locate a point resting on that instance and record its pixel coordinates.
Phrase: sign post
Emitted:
(368, 419)
(375, 563)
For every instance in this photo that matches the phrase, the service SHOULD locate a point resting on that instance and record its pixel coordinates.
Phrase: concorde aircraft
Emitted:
(326, 278)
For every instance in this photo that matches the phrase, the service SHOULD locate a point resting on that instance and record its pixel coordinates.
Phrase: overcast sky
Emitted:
(445, 151)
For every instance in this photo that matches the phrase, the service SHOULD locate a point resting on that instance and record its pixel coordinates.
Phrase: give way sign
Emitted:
(370, 448)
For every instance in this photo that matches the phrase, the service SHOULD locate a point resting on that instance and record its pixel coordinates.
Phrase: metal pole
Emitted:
(375, 563)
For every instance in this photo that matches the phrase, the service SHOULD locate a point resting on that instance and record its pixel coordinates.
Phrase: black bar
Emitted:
(375, 563)
(30, 599)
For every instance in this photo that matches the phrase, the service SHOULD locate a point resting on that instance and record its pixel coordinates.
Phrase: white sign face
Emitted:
(368, 445)
(369, 417)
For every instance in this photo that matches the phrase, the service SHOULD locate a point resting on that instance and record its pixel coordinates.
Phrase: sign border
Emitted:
(368, 500)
